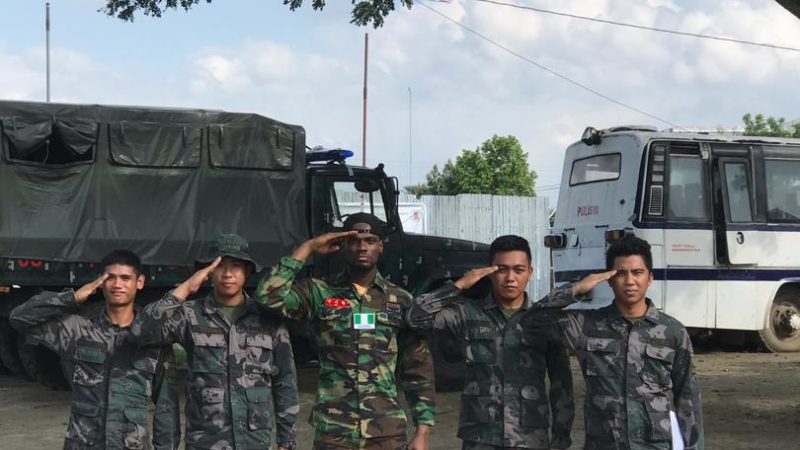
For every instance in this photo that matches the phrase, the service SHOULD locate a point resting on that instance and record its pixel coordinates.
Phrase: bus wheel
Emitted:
(782, 333)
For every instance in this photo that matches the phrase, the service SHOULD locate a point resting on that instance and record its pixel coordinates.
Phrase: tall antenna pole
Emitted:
(410, 140)
(364, 124)
(47, 47)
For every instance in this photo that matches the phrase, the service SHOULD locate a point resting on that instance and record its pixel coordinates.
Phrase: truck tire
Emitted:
(782, 333)
(42, 365)
(8, 349)
(448, 361)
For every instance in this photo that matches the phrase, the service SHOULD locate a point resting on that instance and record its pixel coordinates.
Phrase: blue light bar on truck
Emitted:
(318, 154)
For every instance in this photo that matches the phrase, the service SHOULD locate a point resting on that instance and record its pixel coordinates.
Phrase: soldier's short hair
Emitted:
(123, 258)
(629, 246)
(509, 243)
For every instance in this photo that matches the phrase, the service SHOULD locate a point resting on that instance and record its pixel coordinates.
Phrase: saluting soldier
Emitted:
(239, 357)
(641, 392)
(362, 337)
(505, 403)
(112, 378)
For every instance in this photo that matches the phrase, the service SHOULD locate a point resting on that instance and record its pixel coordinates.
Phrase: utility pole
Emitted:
(410, 140)
(364, 124)
(47, 47)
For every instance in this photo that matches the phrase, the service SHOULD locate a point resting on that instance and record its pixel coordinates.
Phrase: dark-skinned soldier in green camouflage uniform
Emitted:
(636, 360)
(112, 378)
(239, 357)
(362, 338)
(505, 403)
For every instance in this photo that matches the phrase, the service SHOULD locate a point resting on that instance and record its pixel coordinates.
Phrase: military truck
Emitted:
(80, 180)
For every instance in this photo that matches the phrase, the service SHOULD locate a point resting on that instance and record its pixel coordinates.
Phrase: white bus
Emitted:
(722, 214)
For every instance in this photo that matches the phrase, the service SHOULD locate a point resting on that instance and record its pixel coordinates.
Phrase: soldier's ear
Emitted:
(140, 281)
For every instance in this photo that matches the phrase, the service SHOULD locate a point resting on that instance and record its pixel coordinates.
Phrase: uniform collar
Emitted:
(489, 302)
(652, 314)
(210, 305)
(341, 279)
(100, 317)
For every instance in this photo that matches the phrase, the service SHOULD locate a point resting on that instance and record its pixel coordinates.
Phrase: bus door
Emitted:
(735, 215)
(738, 249)
(678, 203)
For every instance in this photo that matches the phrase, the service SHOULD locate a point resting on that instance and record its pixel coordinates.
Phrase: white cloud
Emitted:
(464, 89)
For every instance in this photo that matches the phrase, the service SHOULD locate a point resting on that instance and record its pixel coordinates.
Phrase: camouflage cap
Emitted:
(232, 246)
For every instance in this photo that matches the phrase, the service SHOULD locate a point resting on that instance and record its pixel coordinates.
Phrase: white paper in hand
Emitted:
(677, 436)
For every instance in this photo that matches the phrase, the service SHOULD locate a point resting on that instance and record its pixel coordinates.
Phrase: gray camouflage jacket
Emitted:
(236, 371)
(112, 378)
(505, 402)
(636, 373)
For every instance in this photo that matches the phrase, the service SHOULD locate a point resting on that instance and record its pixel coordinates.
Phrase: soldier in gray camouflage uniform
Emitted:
(112, 378)
(505, 403)
(239, 358)
(636, 360)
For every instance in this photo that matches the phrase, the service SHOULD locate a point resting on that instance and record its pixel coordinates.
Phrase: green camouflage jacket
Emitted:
(112, 378)
(236, 371)
(636, 373)
(505, 402)
(357, 389)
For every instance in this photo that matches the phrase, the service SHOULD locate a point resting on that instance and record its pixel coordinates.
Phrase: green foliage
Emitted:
(364, 11)
(769, 126)
(499, 166)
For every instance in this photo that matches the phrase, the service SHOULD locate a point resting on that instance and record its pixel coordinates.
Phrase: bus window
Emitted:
(595, 168)
(783, 185)
(737, 185)
(687, 198)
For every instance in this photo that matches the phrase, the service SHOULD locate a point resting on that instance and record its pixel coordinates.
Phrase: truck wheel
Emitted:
(42, 365)
(8, 349)
(782, 333)
(448, 361)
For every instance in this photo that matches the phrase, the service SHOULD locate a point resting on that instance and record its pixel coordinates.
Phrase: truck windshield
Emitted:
(346, 200)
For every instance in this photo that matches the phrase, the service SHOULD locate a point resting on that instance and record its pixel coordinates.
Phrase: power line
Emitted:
(547, 69)
(643, 27)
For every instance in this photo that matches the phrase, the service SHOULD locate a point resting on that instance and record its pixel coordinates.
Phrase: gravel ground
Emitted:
(750, 401)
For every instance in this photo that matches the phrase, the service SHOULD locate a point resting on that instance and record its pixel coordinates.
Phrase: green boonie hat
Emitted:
(232, 246)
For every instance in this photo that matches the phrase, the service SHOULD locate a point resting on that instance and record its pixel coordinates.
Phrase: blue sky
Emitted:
(305, 67)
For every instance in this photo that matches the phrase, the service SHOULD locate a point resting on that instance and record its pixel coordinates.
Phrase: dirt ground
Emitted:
(750, 401)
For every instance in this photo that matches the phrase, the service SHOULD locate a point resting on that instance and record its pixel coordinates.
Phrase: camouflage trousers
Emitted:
(334, 442)
(470, 445)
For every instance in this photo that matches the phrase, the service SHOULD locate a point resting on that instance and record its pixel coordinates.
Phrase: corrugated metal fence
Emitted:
(482, 218)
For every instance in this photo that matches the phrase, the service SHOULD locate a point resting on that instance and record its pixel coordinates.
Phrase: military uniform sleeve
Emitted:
(436, 310)
(162, 323)
(549, 310)
(284, 389)
(415, 373)
(283, 294)
(562, 402)
(686, 394)
(49, 318)
(166, 418)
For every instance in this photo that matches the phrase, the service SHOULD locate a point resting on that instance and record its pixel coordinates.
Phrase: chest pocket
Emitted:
(481, 343)
(533, 346)
(658, 366)
(387, 328)
(89, 364)
(602, 357)
(333, 324)
(209, 350)
(259, 354)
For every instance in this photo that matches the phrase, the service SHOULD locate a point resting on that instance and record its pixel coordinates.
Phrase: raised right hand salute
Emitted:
(88, 289)
(323, 245)
(193, 283)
